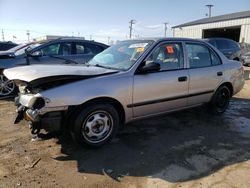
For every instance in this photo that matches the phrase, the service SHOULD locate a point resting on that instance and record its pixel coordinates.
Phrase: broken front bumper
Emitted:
(33, 110)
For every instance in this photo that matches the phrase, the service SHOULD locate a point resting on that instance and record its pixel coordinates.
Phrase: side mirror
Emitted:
(150, 67)
(35, 54)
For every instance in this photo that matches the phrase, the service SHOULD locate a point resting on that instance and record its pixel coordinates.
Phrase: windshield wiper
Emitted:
(102, 66)
(67, 61)
(98, 65)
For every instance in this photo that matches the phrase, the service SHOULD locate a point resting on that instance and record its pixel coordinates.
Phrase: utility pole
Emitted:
(209, 10)
(28, 35)
(2, 35)
(90, 37)
(131, 28)
(165, 30)
(108, 40)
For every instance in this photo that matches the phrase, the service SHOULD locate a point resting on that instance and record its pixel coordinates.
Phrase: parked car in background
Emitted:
(228, 47)
(59, 51)
(245, 57)
(245, 47)
(130, 80)
(19, 49)
(7, 45)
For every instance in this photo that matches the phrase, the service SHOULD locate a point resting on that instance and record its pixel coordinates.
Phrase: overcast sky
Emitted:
(104, 18)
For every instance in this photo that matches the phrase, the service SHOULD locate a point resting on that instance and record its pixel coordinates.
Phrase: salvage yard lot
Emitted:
(185, 149)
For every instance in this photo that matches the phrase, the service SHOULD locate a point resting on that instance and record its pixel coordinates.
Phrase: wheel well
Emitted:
(117, 105)
(229, 86)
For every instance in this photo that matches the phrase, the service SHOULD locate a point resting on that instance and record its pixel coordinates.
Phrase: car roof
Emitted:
(159, 39)
(76, 39)
(69, 39)
(218, 38)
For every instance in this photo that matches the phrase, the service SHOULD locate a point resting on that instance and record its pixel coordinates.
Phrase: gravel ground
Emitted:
(185, 149)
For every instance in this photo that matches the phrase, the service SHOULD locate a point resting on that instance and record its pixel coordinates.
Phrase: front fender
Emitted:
(77, 93)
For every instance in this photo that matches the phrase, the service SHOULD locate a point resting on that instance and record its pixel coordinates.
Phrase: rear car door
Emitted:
(164, 90)
(83, 51)
(205, 72)
(56, 53)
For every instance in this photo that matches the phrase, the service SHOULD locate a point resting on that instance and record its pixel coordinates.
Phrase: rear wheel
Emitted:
(220, 100)
(7, 87)
(96, 125)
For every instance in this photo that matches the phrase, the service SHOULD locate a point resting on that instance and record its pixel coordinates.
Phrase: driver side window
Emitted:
(51, 50)
(168, 55)
(57, 49)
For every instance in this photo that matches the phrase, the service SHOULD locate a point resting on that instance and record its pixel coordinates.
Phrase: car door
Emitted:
(56, 53)
(205, 72)
(83, 51)
(166, 89)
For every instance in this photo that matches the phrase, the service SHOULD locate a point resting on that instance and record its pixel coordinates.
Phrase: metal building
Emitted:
(52, 37)
(235, 26)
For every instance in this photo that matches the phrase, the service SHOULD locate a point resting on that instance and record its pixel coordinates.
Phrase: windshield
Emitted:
(21, 49)
(122, 55)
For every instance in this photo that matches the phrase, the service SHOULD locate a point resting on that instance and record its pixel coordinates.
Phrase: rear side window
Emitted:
(198, 55)
(88, 49)
(201, 56)
(169, 56)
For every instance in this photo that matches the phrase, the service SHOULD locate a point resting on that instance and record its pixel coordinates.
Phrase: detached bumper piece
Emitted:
(50, 122)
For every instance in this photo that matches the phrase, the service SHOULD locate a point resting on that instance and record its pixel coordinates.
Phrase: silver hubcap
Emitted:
(6, 86)
(97, 126)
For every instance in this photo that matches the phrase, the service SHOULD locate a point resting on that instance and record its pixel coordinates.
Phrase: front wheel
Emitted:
(96, 125)
(220, 100)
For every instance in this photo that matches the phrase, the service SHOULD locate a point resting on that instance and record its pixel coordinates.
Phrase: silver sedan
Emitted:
(131, 80)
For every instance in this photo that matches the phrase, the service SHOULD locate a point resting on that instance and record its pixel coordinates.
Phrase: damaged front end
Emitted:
(44, 96)
(32, 107)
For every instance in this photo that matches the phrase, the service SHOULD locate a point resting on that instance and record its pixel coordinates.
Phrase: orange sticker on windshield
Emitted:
(141, 49)
(170, 49)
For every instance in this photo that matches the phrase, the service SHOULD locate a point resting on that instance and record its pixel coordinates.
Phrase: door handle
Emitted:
(182, 79)
(219, 73)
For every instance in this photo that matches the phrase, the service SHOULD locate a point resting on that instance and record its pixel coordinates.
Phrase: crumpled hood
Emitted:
(35, 72)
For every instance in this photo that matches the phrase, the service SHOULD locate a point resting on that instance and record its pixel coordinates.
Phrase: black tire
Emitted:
(108, 119)
(220, 101)
(8, 88)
